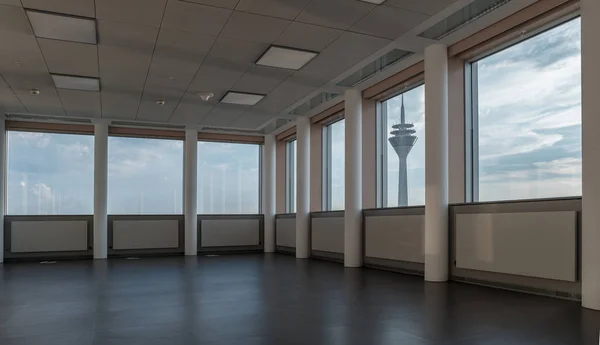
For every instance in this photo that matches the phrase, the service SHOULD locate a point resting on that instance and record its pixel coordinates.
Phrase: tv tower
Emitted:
(402, 140)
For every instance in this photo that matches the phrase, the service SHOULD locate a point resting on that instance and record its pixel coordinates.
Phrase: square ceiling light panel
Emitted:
(63, 27)
(283, 57)
(242, 98)
(76, 83)
(376, 2)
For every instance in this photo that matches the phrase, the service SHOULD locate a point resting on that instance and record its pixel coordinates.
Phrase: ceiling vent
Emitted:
(375, 67)
(231, 131)
(273, 125)
(146, 125)
(462, 17)
(313, 103)
(43, 118)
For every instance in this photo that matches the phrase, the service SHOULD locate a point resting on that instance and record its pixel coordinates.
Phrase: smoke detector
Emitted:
(160, 102)
(205, 96)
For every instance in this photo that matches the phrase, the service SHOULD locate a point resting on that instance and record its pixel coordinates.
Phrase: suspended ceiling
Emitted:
(151, 50)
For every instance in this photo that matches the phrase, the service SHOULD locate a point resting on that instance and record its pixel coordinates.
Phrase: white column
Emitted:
(303, 187)
(2, 185)
(590, 217)
(100, 189)
(190, 191)
(269, 192)
(353, 238)
(436, 163)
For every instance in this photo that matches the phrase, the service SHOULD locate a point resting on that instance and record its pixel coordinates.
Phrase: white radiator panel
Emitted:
(327, 234)
(145, 234)
(286, 232)
(395, 237)
(230, 232)
(48, 236)
(535, 244)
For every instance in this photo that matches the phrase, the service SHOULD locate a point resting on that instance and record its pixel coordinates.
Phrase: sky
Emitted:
(529, 112)
(53, 174)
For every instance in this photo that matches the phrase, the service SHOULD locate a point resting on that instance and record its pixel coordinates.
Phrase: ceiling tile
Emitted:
(59, 57)
(84, 8)
(217, 76)
(9, 102)
(125, 54)
(191, 110)
(230, 4)
(177, 57)
(194, 17)
(149, 110)
(222, 115)
(340, 14)
(307, 36)
(80, 103)
(429, 7)
(344, 53)
(251, 120)
(14, 20)
(235, 50)
(11, 2)
(388, 22)
(288, 92)
(127, 36)
(286, 9)
(261, 79)
(252, 27)
(46, 102)
(119, 104)
(142, 12)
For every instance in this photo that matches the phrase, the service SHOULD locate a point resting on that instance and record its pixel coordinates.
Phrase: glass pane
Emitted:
(228, 178)
(145, 176)
(50, 173)
(291, 176)
(530, 118)
(338, 169)
(405, 140)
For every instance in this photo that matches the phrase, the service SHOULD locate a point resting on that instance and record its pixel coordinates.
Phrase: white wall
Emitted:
(48, 236)
(395, 237)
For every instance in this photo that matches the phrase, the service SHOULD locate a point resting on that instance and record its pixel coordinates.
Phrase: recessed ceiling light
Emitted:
(63, 27)
(283, 57)
(76, 83)
(34, 92)
(160, 102)
(242, 98)
(376, 2)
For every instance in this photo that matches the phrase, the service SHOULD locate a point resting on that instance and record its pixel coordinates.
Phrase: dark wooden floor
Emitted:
(274, 299)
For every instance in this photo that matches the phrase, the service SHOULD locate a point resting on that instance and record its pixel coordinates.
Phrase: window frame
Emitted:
(261, 148)
(37, 127)
(125, 134)
(382, 150)
(326, 185)
(471, 91)
(290, 167)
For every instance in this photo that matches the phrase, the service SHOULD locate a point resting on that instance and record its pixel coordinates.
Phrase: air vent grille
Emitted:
(313, 103)
(462, 17)
(43, 118)
(146, 125)
(375, 67)
(231, 131)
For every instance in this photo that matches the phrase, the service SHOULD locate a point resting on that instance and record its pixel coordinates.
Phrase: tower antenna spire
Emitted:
(402, 139)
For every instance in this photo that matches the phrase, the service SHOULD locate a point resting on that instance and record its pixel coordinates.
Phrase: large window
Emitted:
(290, 178)
(334, 166)
(402, 147)
(527, 118)
(50, 173)
(145, 176)
(228, 178)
